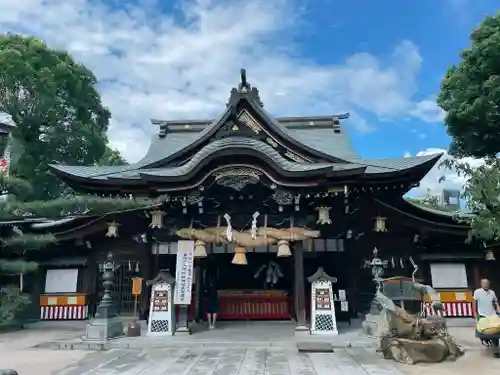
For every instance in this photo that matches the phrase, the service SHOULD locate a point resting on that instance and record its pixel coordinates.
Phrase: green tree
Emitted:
(16, 245)
(482, 189)
(426, 201)
(57, 110)
(111, 157)
(470, 94)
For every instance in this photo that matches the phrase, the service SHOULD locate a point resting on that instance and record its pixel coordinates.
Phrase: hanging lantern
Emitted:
(380, 224)
(200, 250)
(112, 229)
(489, 255)
(284, 249)
(324, 215)
(239, 256)
(157, 219)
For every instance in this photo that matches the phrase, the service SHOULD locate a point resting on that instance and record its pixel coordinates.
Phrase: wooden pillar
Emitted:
(299, 290)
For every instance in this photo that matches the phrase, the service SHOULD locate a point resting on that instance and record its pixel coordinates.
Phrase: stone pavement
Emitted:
(227, 334)
(17, 351)
(243, 348)
(231, 361)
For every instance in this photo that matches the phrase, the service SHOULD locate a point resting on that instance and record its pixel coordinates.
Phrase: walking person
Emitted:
(211, 303)
(486, 304)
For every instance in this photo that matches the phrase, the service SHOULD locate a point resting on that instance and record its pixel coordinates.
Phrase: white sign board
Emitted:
(449, 275)
(61, 280)
(184, 272)
(161, 312)
(323, 319)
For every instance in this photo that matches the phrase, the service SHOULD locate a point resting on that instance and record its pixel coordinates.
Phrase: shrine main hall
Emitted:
(267, 201)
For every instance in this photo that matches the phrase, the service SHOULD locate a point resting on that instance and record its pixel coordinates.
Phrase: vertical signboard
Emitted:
(184, 272)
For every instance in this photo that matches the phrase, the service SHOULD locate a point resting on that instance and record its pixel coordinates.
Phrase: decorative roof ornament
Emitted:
(244, 90)
(244, 86)
(321, 275)
(237, 178)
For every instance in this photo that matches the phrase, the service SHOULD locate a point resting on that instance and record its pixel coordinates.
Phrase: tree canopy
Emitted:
(16, 244)
(111, 157)
(56, 107)
(470, 94)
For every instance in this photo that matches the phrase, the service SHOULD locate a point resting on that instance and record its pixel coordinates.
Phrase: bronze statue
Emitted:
(411, 339)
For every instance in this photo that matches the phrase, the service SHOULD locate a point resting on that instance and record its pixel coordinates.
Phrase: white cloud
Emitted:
(431, 182)
(183, 64)
(428, 110)
(418, 133)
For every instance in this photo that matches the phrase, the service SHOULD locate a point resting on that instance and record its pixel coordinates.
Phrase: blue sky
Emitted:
(440, 29)
(381, 60)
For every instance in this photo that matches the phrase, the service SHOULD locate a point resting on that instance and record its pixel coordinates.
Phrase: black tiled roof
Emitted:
(321, 136)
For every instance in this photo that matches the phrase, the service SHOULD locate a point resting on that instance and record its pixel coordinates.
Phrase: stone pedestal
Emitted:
(102, 329)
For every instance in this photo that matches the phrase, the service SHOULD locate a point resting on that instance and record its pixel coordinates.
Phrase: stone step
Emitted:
(314, 347)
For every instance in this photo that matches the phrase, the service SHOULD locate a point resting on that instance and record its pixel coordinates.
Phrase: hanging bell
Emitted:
(200, 250)
(239, 256)
(284, 249)
(489, 255)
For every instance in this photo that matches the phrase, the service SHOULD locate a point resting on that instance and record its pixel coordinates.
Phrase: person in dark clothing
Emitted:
(211, 298)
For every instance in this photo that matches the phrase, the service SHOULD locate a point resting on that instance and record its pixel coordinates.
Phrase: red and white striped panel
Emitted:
(72, 312)
(450, 309)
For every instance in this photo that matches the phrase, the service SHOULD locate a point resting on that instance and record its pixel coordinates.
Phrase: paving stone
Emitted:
(231, 361)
